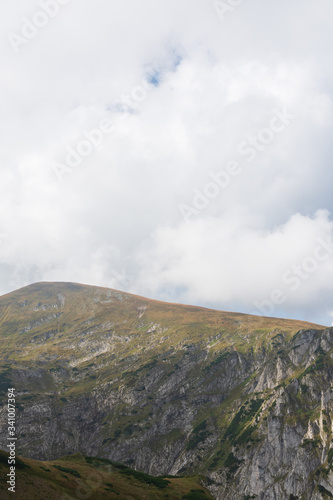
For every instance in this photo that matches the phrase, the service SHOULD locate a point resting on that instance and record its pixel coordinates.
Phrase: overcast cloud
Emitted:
(180, 150)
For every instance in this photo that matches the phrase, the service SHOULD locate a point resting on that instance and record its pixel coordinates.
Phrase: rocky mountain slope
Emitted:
(170, 389)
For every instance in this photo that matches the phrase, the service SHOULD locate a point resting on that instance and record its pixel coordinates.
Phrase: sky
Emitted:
(179, 150)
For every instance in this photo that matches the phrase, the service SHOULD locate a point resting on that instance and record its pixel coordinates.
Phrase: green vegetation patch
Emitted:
(330, 455)
(18, 462)
(130, 429)
(159, 482)
(324, 491)
(304, 388)
(147, 366)
(200, 433)
(97, 462)
(233, 464)
(195, 495)
(318, 366)
(237, 426)
(246, 435)
(217, 361)
(311, 442)
(66, 469)
(45, 469)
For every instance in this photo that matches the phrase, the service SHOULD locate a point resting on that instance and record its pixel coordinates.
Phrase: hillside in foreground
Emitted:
(77, 476)
(244, 401)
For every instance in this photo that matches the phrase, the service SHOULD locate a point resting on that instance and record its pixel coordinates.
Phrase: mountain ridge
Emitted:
(170, 389)
(30, 287)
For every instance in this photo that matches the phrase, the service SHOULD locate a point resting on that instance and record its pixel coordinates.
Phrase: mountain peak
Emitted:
(168, 388)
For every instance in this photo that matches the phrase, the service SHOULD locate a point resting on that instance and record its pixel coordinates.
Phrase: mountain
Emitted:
(168, 389)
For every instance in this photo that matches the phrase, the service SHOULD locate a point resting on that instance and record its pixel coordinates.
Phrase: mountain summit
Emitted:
(245, 401)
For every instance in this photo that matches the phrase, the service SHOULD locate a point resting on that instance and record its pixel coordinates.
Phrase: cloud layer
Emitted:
(165, 150)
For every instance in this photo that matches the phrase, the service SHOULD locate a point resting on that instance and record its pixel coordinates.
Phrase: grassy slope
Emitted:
(82, 477)
(125, 315)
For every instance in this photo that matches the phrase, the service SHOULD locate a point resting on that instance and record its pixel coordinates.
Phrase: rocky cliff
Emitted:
(170, 389)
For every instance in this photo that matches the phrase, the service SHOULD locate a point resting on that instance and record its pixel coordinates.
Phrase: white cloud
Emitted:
(220, 84)
(224, 260)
